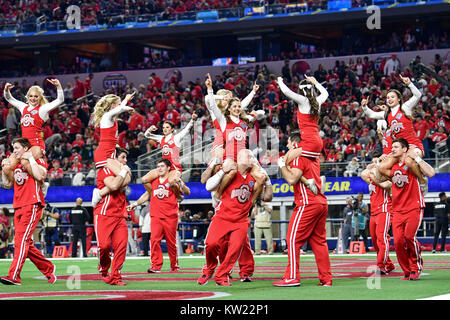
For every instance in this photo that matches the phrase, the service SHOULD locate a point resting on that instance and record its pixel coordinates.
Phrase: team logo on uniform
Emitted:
(27, 120)
(161, 192)
(237, 133)
(399, 179)
(242, 194)
(399, 116)
(385, 143)
(396, 126)
(20, 176)
(34, 112)
(243, 125)
(166, 150)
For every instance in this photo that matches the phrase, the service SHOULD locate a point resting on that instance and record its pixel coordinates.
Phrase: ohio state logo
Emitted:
(237, 133)
(27, 120)
(20, 176)
(242, 194)
(396, 126)
(161, 192)
(166, 150)
(399, 179)
(385, 143)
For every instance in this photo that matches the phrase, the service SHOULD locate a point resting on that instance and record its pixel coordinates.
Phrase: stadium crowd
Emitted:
(347, 134)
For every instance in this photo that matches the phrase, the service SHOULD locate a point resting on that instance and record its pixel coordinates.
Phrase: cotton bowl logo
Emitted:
(161, 192)
(20, 176)
(27, 120)
(237, 133)
(399, 179)
(115, 79)
(371, 188)
(242, 194)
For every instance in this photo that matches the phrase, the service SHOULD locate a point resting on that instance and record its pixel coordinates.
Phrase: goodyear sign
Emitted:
(333, 186)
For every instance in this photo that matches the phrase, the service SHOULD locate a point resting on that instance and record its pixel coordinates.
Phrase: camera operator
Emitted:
(347, 230)
(360, 211)
(50, 218)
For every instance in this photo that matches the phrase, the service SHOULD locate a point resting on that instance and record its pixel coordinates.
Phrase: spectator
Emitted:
(79, 89)
(56, 174)
(144, 227)
(353, 149)
(50, 217)
(262, 213)
(352, 168)
(4, 236)
(392, 65)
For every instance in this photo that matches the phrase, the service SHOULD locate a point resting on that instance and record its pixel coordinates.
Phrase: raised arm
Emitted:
(11, 100)
(212, 105)
(323, 92)
(46, 108)
(246, 101)
(291, 94)
(410, 104)
(180, 135)
(291, 175)
(107, 120)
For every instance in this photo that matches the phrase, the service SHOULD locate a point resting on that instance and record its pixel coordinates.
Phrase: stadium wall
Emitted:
(103, 80)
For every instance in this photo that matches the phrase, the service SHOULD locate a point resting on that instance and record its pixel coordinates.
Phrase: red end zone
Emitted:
(116, 295)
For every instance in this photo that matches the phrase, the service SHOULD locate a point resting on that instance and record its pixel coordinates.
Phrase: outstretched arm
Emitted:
(13, 101)
(370, 113)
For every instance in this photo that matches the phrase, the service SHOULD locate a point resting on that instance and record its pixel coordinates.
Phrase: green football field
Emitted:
(353, 279)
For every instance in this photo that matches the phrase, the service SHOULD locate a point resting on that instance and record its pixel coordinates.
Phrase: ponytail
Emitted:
(102, 106)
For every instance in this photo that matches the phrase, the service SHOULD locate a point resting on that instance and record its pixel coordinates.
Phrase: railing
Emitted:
(123, 19)
(147, 162)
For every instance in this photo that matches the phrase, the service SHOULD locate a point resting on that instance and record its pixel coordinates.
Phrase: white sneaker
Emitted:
(312, 186)
(96, 197)
(45, 186)
(324, 180)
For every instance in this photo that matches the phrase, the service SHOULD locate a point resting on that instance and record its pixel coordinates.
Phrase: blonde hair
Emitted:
(39, 90)
(102, 106)
(219, 102)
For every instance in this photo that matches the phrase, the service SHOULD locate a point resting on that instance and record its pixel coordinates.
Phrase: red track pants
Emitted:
(25, 221)
(220, 230)
(404, 227)
(379, 231)
(307, 223)
(166, 228)
(112, 233)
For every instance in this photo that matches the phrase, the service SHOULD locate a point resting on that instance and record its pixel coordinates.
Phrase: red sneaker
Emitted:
(406, 277)
(106, 278)
(118, 283)
(325, 284)
(52, 278)
(223, 283)
(414, 276)
(287, 283)
(8, 281)
(203, 279)
(390, 268)
(175, 270)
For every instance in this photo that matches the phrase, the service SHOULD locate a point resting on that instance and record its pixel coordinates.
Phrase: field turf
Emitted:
(353, 279)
